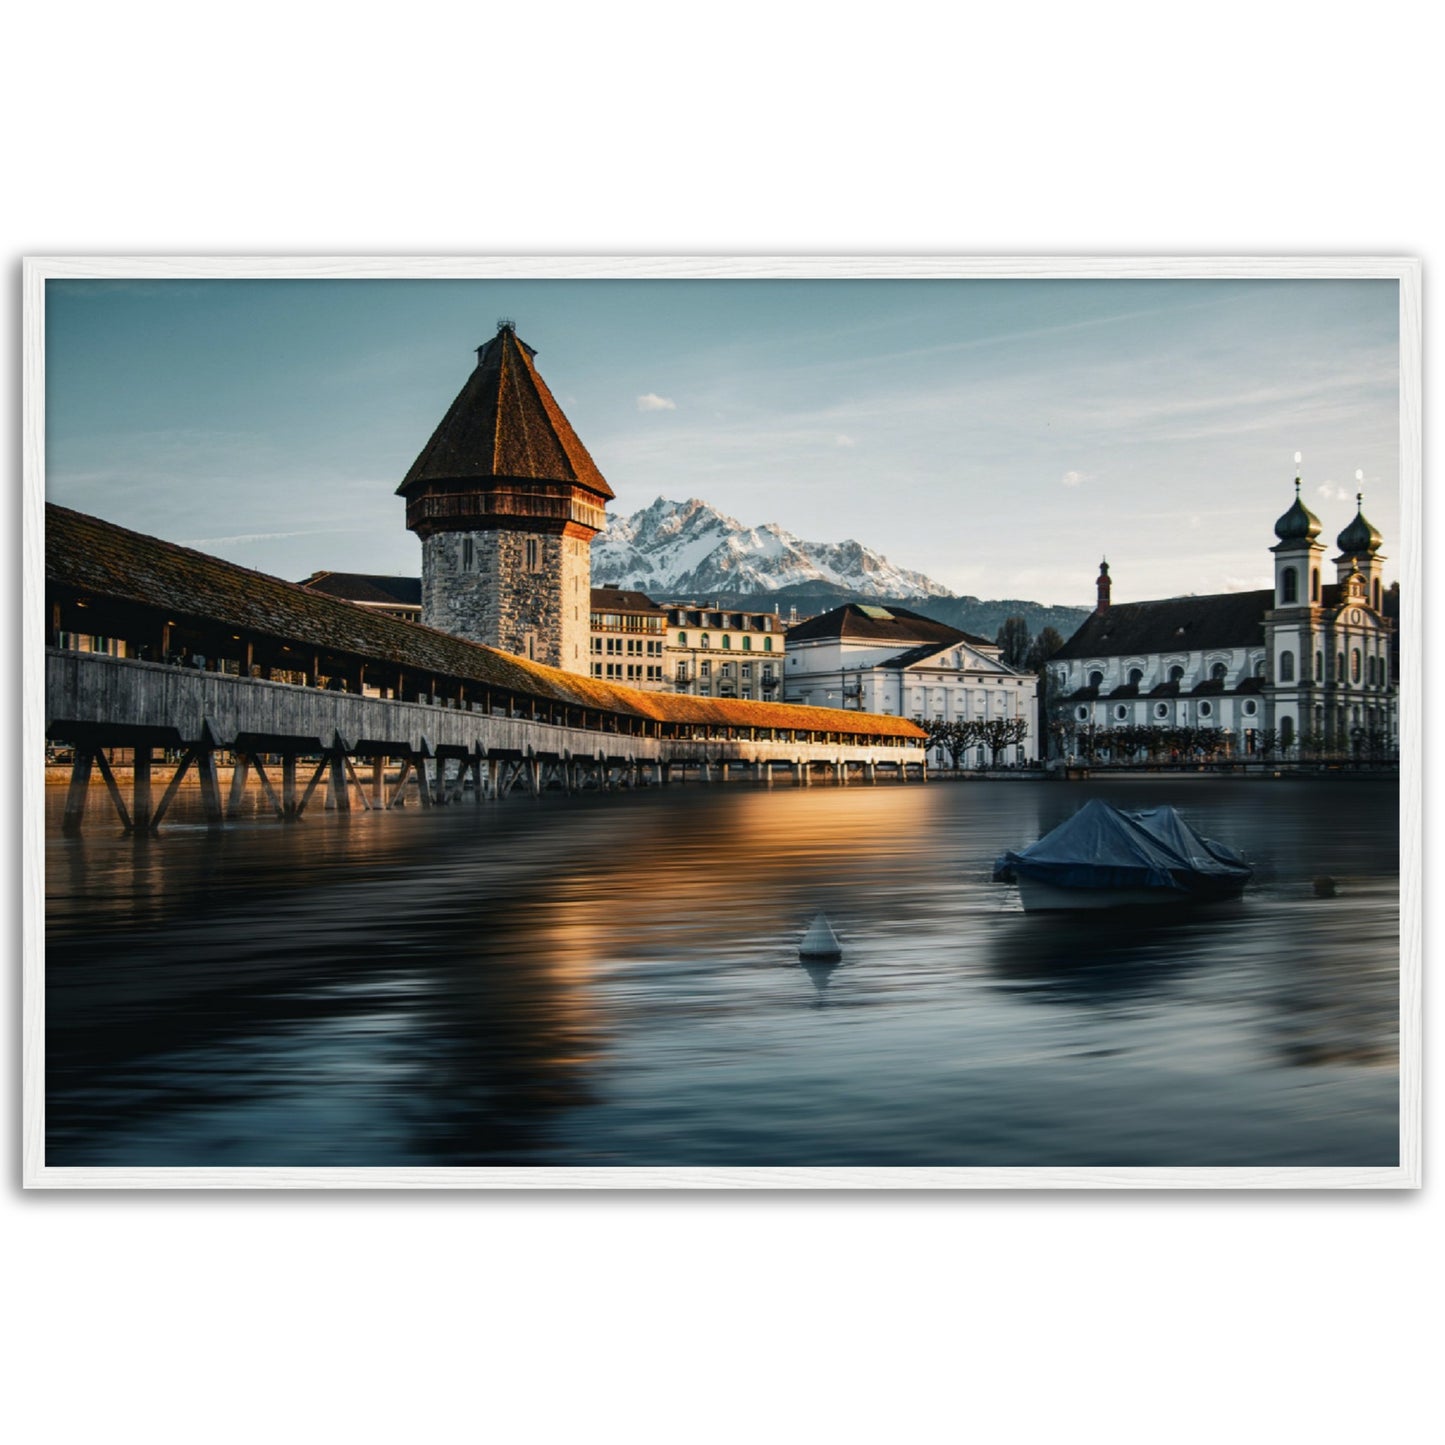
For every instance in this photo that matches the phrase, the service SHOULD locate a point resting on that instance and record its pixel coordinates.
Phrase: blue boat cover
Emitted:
(1104, 847)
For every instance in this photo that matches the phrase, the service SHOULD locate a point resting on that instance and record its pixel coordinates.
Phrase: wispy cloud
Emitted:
(650, 401)
(1074, 478)
(844, 440)
(1331, 492)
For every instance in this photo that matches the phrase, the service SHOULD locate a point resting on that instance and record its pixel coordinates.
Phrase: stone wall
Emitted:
(523, 592)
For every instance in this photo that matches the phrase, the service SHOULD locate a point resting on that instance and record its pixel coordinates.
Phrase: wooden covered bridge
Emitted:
(153, 646)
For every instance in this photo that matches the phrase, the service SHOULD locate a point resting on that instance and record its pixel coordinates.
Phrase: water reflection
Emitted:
(616, 980)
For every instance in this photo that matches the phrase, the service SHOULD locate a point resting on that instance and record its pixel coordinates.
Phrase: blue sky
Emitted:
(999, 435)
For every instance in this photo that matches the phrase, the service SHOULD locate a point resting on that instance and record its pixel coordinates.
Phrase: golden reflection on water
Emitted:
(616, 980)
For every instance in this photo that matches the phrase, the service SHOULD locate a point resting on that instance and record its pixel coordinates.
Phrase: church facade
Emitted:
(1305, 666)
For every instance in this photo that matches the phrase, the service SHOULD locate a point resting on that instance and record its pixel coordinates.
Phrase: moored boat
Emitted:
(1106, 857)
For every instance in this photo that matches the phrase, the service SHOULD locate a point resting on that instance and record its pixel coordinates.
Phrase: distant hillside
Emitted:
(968, 614)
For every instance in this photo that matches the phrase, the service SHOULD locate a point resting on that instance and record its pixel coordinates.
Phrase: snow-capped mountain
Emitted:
(689, 549)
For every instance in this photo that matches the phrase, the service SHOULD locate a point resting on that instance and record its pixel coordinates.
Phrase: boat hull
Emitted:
(1039, 897)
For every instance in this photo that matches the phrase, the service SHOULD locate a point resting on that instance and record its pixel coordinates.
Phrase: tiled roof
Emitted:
(369, 587)
(616, 599)
(860, 622)
(505, 423)
(1175, 624)
(105, 564)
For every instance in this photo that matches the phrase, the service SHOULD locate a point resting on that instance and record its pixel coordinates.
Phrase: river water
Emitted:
(614, 980)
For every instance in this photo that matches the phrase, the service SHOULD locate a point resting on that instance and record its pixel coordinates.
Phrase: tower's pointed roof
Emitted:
(505, 423)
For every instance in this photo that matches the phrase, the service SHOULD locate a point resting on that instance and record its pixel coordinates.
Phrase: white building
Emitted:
(889, 660)
(1305, 660)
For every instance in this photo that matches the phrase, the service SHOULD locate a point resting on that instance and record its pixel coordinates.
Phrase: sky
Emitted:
(1000, 436)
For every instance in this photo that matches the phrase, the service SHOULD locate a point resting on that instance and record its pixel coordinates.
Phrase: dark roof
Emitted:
(103, 563)
(505, 423)
(621, 600)
(370, 587)
(1175, 624)
(862, 622)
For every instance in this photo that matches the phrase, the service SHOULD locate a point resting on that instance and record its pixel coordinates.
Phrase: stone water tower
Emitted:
(506, 502)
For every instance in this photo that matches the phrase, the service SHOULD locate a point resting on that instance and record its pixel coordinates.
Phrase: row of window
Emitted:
(633, 672)
(737, 621)
(1204, 709)
(1372, 670)
(631, 646)
(628, 622)
(531, 561)
(705, 641)
(725, 669)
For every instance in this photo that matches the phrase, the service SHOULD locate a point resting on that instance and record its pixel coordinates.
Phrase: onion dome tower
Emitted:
(1102, 588)
(1359, 546)
(506, 502)
(1297, 556)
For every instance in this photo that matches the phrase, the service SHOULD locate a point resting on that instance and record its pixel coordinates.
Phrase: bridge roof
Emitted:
(505, 423)
(105, 564)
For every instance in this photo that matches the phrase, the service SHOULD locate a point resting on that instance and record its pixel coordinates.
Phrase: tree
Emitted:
(1041, 649)
(1002, 732)
(1013, 638)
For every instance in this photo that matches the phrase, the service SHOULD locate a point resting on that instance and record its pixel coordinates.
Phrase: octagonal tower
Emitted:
(506, 502)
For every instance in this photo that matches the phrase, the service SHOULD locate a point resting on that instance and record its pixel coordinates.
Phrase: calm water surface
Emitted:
(614, 981)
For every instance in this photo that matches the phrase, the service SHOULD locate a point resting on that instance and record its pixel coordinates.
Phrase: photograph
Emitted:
(762, 724)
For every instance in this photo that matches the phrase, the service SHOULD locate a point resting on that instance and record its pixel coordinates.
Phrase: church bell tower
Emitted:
(506, 502)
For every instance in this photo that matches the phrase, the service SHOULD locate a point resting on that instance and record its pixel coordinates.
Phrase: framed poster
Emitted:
(790, 723)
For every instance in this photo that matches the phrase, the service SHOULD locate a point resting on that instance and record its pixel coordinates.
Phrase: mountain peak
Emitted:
(690, 549)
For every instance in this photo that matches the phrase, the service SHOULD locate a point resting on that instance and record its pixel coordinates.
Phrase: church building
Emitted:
(1308, 661)
(506, 502)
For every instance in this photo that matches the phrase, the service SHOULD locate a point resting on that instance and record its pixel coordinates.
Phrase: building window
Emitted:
(704, 668)
(1286, 733)
(534, 555)
(1319, 667)
(1354, 664)
(1314, 584)
(1218, 672)
(682, 639)
(1121, 712)
(1161, 709)
(1289, 585)
(704, 642)
(1376, 603)
(596, 669)
(1369, 672)
(1176, 673)
(1286, 667)
(1205, 709)
(1096, 678)
(1082, 713)
(747, 670)
(1250, 707)
(747, 644)
(468, 554)
(1136, 676)
(727, 641)
(767, 644)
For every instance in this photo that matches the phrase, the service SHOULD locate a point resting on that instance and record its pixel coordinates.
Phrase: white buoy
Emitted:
(820, 941)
